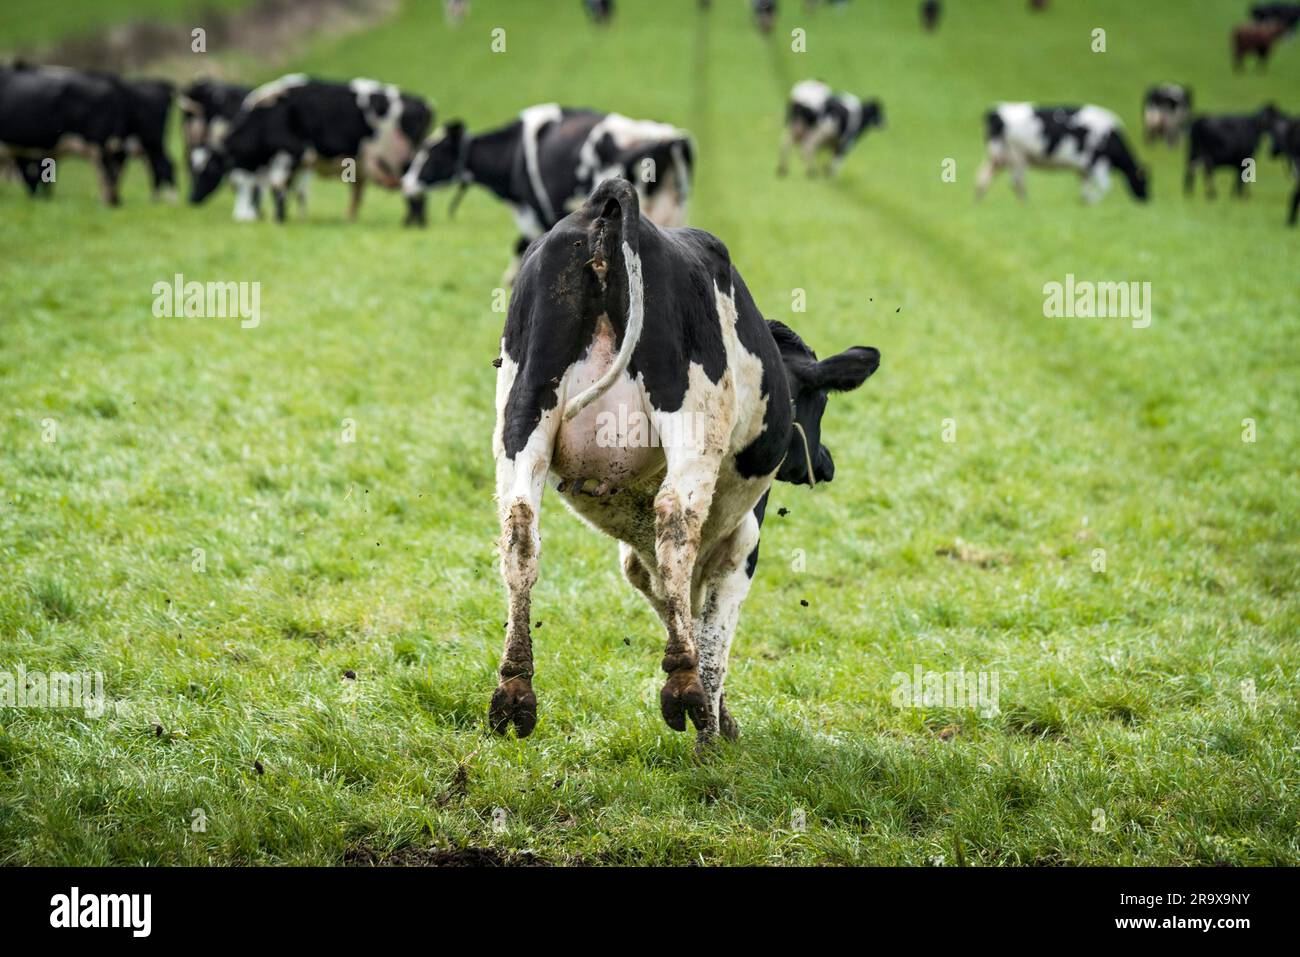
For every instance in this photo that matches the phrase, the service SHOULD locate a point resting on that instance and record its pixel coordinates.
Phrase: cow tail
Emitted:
(608, 193)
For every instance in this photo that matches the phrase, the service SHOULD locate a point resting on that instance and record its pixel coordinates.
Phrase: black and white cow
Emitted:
(546, 162)
(616, 320)
(50, 111)
(1086, 139)
(1217, 141)
(208, 106)
(296, 121)
(1165, 112)
(818, 119)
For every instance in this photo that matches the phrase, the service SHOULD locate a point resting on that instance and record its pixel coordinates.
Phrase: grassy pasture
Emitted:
(1126, 733)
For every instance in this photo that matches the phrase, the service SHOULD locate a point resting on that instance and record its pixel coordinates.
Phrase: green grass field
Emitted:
(1148, 712)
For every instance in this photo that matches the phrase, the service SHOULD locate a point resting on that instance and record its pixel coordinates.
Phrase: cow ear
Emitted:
(455, 129)
(846, 371)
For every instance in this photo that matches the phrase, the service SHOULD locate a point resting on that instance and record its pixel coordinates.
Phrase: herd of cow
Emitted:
(616, 314)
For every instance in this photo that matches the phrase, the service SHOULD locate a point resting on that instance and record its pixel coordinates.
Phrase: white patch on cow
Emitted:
(217, 130)
(811, 94)
(535, 119)
(281, 170)
(667, 207)
(244, 183)
(529, 223)
(268, 93)
(387, 151)
(853, 106)
(411, 185)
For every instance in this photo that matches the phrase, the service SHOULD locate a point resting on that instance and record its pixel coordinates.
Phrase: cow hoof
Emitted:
(727, 726)
(683, 694)
(514, 703)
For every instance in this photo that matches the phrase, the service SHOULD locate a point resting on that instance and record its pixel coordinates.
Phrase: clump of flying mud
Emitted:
(268, 31)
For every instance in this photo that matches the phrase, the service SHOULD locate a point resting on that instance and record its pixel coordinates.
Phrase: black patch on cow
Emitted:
(1058, 125)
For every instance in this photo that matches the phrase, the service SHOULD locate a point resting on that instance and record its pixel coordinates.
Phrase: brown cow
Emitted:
(1256, 38)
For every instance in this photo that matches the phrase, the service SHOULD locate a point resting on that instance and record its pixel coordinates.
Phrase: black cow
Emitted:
(1215, 141)
(1286, 144)
(764, 14)
(548, 160)
(600, 11)
(931, 11)
(638, 375)
(1286, 13)
(296, 120)
(819, 119)
(48, 111)
(1165, 111)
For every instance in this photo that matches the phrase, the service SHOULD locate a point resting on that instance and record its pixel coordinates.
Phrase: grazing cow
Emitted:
(1287, 13)
(819, 119)
(1165, 112)
(931, 11)
(546, 162)
(1086, 139)
(208, 107)
(1257, 38)
(48, 111)
(614, 319)
(363, 128)
(764, 15)
(1215, 141)
(600, 11)
(1286, 143)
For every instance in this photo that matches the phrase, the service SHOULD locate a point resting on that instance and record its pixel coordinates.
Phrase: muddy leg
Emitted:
(681, 507)
(521, 480)
(354, 202)
(727, 582)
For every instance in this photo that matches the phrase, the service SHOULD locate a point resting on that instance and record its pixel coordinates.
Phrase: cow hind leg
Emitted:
(520, 483)
(354, 203)
(726, 585)
(984, 178)
(109, 167)
(681, 508)
(1295, 206)
(783, 159)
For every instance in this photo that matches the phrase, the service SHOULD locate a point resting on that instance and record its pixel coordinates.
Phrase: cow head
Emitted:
(873, 114)
(1116, 150)
(811, 381)
(440, 160)
(208, 167)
